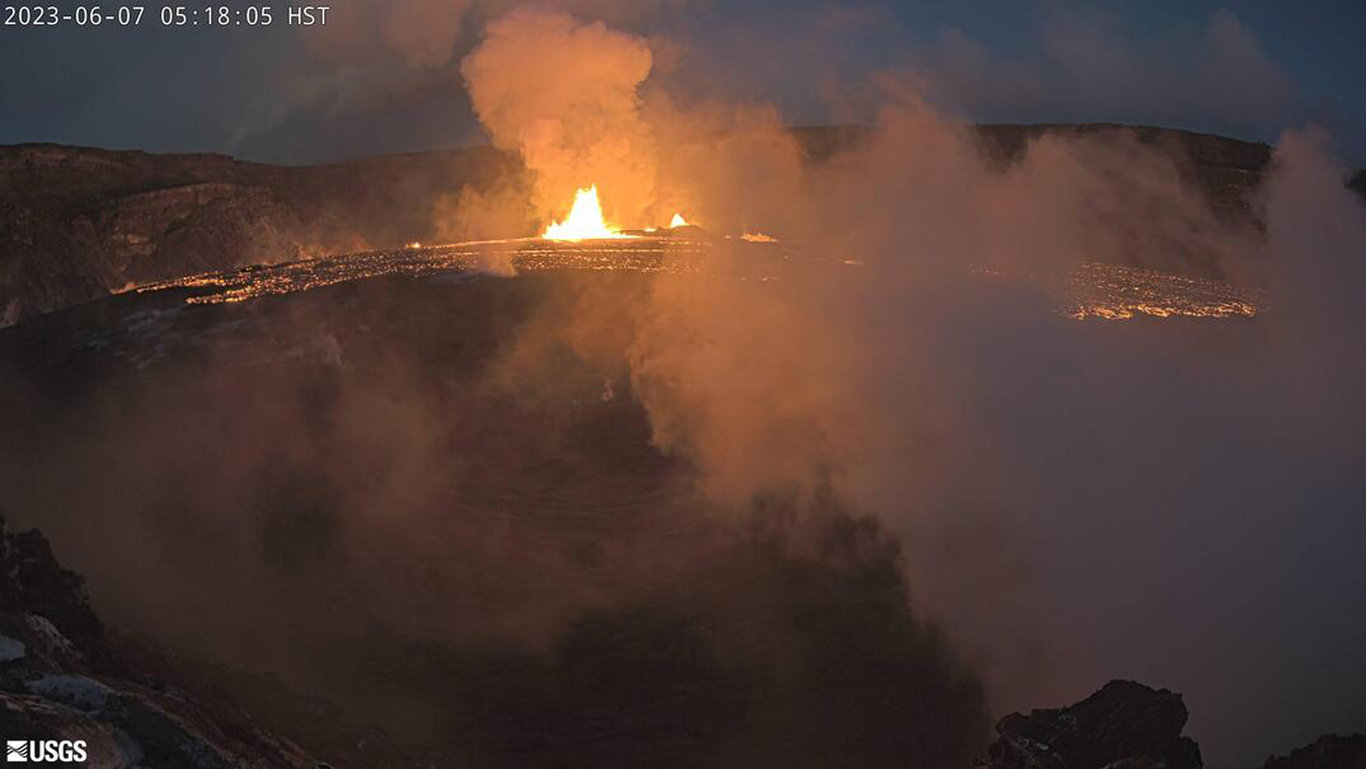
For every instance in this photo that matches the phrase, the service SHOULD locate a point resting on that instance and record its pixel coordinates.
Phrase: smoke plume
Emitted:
(563, 95)
(571, 478)
(1077, 490)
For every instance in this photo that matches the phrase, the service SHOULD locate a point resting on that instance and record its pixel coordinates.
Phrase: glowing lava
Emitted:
(678, 221)
(585, 221)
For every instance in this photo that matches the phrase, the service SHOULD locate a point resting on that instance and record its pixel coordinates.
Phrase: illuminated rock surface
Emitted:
(77, 223)
(1093, 290)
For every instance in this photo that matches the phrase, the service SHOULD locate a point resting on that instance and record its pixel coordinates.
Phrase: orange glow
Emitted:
(758, 237)
(585, 220)
(678, 221)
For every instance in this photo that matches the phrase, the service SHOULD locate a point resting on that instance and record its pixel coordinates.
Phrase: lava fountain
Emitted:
(585, 220)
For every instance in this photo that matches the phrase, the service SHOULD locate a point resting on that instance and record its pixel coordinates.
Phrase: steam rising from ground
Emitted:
(1173, 503)
(562, 94)
(1069, 496)
(989, 433)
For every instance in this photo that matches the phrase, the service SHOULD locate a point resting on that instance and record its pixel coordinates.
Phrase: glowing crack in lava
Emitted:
(585, 221)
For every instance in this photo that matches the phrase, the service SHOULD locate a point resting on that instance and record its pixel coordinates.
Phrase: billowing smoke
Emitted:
(1069, 493)
(996, 436)
(763, 387)
(692, 474)
(1316, 240)
(563, 95)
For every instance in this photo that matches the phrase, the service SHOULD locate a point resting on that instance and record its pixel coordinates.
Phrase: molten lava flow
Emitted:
(678, 221)
(758, 237)
(584, 221)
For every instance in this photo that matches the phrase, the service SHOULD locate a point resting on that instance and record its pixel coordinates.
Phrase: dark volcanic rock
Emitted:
(77, 223)
(1125, 724)
(59, 682)
(49, 599)
(1327, 752)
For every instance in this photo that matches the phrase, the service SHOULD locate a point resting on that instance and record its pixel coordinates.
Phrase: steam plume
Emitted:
(562, 94)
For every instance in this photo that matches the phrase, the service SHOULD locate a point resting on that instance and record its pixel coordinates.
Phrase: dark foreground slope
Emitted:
(433, 506)
(61, 678)
(420, 521)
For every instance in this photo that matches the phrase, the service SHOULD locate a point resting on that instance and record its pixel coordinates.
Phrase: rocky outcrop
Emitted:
(58, 681)
(44, 613)
(78, 223)
(1125, 725)
(1327, 752)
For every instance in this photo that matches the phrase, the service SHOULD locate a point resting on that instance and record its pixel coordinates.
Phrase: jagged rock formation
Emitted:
(1330, 751)
(1125, 725)
(59, 681)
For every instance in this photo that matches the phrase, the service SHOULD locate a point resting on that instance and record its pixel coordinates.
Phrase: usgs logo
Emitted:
(43, 751)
